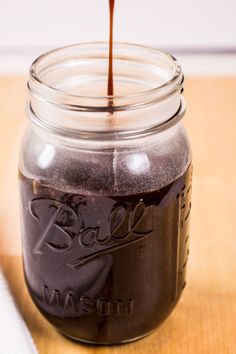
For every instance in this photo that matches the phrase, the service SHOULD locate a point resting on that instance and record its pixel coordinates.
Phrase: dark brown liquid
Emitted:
(105, 269)
(110, 87)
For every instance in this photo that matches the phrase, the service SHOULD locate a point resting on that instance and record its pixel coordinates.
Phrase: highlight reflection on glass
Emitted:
(46, 156)
(138, 163)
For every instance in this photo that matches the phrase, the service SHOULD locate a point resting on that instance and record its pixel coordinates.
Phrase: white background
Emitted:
(28, 27)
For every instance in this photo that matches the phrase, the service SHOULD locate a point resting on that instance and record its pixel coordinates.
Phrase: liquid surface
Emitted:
(105, 269)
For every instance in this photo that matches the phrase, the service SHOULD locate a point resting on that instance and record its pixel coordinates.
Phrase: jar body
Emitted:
(105, 191)
(105, 232)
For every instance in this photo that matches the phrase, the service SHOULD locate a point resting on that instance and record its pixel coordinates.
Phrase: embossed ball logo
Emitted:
(126, 225)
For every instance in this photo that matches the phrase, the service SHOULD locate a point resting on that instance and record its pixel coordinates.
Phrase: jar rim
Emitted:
(40, 89)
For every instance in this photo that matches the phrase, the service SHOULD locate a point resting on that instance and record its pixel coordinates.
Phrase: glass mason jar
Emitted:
(105, 188)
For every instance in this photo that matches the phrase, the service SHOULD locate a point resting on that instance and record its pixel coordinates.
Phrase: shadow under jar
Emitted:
(105, 188)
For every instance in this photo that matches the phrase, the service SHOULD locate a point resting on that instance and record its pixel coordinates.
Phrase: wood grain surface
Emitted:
(205, 319)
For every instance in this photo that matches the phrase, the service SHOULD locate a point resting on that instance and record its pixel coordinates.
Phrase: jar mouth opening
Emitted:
(51, 76)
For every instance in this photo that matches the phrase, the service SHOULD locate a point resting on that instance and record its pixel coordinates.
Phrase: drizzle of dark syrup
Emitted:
(110, 86)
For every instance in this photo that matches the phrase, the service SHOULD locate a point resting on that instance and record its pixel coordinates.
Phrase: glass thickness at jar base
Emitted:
(106, 343)
(106, 269)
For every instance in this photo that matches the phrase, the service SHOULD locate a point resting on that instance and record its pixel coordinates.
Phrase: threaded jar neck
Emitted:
(67, 88)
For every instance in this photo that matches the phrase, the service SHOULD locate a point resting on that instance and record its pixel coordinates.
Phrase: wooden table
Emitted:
(205, 319)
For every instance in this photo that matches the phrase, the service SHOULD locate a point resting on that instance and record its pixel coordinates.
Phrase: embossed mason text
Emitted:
(85, 304)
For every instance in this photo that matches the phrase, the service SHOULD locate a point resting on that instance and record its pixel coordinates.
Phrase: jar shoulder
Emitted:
(149, 165)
